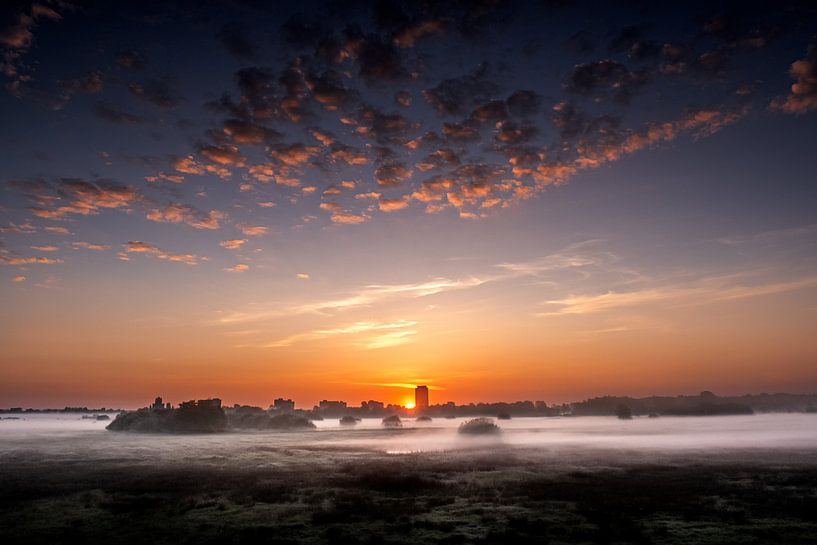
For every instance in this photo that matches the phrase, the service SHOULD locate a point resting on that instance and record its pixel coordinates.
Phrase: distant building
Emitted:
(283, 405)
(372, 405)
(421, 398)
(214, 402)
(157, 404)
(327, 405)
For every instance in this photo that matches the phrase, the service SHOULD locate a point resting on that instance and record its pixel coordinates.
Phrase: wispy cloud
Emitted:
(702, 292)
(365, 296)
(356, 328)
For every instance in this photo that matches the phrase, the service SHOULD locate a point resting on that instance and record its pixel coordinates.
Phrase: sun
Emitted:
(409, 405)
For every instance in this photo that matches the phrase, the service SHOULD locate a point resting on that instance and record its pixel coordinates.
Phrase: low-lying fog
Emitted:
(64, 437)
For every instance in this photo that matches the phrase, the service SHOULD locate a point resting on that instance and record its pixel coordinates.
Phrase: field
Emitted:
(542, 481)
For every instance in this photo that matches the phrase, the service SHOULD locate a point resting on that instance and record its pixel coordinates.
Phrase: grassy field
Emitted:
(332, 494)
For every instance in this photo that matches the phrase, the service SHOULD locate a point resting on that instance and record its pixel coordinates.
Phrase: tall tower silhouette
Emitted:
(421, 398)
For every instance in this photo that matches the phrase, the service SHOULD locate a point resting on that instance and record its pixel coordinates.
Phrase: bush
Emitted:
(624, 412)
(479, 426)
(392, 421)
(423, 418)
(348, 421)
(503, 416)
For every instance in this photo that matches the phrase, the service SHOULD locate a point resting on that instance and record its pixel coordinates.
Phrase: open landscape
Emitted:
(731, 479)
(408, 272)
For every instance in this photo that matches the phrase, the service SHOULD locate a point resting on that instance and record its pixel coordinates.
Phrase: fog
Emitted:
(64, 437)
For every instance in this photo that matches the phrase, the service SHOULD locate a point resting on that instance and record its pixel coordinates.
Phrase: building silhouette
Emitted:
(421, 398)
(283, 405)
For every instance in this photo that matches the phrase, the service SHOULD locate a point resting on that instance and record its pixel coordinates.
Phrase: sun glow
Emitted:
(409, 405)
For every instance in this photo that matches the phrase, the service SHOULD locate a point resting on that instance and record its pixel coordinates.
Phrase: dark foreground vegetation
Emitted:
(501, 495)
(203, 416)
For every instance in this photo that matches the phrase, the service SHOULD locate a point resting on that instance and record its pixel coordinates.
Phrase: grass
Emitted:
(497, 495)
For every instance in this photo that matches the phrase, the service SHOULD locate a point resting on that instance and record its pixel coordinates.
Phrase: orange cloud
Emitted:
(233, 244)
(139, 247)
(349, 219)
(391, 205)
(254, 230)
(29, 260)
(803, 96)
(223, 155)
(180, 213)
(89, 246)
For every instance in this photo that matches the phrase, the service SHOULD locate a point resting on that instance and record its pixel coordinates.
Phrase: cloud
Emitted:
(294, 154)
(348, 219)
(17, 36)
(161, 176)
(348, 154)
(45, 248)
(239, 267)
(455, 96)
(84, 198)
(139, 247)
(19, 278)
(29, 260)
(328, 91)
(233, 244)
(391, 174)
(391, 205)
(189, 165)
(702, 292)
(377, 60)
(388, 340)
(302, 276)
(357, 329)
(408, 36)
(58, 230)
(524, 102)
(382, 127)
(90, 246)
(223, 155)
(460, 132)
(23, 228)
(605, 79)
(403, 98)
(90, 84)
(253, 230)
(803, 96)
(509, 132)
(245, 132)
(490, 112)
(181, 213)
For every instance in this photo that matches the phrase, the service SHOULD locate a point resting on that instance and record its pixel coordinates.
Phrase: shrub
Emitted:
(392, 421)
(503, 416)
(479, 426)
(624, 412)
(348, 421)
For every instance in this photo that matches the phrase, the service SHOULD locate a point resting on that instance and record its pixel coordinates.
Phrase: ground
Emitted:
(336, 494)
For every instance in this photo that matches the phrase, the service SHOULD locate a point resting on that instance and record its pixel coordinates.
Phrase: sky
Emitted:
(502, 200)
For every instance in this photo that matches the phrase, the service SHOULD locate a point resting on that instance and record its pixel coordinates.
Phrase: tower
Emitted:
(421, 398)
